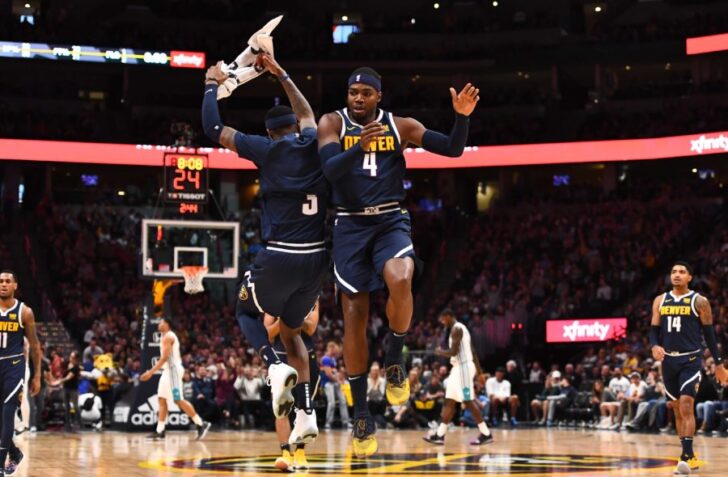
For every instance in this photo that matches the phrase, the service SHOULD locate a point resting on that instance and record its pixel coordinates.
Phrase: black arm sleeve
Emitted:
(336, 163)
(709, 334)
(452, 145)
(654, 335)
(211, 122)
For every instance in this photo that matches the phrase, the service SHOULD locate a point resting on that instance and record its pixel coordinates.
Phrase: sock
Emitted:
(358, 385)
(302, 391)
(160, 426)
(197, 420)
(394, 351)
(286, 447)
(268, 355)
(483, 427)
(687, 448)
(441, 430)
(300, 446)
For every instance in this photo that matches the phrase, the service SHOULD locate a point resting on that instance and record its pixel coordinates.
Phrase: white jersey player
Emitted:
(170, 383)
(460, 383)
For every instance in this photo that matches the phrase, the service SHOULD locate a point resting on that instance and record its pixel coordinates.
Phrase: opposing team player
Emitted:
(17, 321)
(465, 369)
(361, 152)
(287, 275)
(297, 460)
(680, 320)
(170, 383)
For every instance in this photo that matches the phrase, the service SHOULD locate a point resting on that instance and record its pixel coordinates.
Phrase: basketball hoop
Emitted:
(193, 278)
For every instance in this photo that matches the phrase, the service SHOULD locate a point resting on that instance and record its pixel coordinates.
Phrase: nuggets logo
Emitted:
(243, 295)
(686, 300)
(440, 464)
(13, 316)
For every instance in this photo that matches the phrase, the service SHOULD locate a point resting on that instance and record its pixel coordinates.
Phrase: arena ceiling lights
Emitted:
(93, 54)
(478, 156)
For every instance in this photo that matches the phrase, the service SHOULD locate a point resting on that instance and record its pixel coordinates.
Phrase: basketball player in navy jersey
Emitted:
(16, 322)
(297, 460)
(361, 153)
(680, 320)
(287, 276)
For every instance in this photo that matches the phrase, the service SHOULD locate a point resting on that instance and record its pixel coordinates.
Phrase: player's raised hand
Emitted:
(464, 102)
(215, 73)
(658, 353)
(271, 65)
(370, 133)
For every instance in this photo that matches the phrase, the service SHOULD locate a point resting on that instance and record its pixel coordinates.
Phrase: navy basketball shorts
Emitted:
(364, 243)
(12, 375)
(681, 375)
(313, 367)
(283, 284)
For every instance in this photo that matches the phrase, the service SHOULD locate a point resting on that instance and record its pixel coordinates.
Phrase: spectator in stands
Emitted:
(644, 415)
(225, 394)
(615, 400)
(707, 398)
(540, 404)
(515, 377)
(428, 402)
(331, 382)
(596, 399)
(248, 385)
(204, 391)
(376, 398)
(561, 401)
(501, 399)
(72, 416)
(91, 351)
(37, 402)
(536, 374)
(570, 372)
(636, 394)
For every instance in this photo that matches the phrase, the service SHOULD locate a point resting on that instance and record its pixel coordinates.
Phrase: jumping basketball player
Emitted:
(361, 152)
(287, 275)
(16, 322)
(678, 317)
(465, 369)
(170, 383)
(297, 460)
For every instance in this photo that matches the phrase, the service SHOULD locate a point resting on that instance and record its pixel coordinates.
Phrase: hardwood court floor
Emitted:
(525, 452)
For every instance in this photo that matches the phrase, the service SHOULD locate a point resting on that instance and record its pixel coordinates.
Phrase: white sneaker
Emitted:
(282, 379)
(305, 429)
(254, 40)
(682, 468)
(236, 78)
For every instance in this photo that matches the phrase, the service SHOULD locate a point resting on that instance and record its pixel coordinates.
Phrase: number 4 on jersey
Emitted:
(370, 163)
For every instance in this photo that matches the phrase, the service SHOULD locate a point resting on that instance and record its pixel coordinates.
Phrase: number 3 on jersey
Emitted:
(310, 206)
(370, 163)
(673, 323)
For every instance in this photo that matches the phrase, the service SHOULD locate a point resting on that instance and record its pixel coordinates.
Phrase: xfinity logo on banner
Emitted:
(574, 331)
(187, 59)
(704, 143)
(146, 414)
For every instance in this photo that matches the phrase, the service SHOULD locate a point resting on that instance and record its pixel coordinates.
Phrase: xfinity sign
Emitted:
(585, 330)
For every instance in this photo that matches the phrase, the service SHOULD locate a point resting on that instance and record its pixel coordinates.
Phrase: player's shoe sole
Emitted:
(365, 447)
(434, 440)
(283, 379)
(365, 444)
(305, 429)
(13, 465)
(284, 463)
(397, 394)
(202, 430)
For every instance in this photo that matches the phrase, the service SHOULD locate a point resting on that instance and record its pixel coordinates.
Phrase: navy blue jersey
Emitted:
(379, 178)
(680, 327)
(295, 192)
(11, 331)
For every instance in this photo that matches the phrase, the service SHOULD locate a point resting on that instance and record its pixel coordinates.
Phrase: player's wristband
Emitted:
(654, 335)
(285, 77)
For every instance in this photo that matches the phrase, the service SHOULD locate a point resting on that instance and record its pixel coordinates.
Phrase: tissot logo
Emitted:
(440, 464)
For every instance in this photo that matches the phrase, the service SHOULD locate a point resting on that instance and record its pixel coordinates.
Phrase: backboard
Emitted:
(168, 245)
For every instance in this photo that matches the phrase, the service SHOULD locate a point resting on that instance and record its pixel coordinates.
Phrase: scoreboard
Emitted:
(186, 181)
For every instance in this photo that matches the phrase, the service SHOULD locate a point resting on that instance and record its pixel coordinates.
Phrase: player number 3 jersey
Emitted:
(680, 327)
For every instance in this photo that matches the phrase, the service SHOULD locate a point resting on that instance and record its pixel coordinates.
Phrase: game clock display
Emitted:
(185, 178)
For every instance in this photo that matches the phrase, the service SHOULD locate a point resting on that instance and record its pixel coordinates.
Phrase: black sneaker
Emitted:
(482, 439)
(14, 460)
(435, 439)
(156, 435)
(202, 430)
(365, 444)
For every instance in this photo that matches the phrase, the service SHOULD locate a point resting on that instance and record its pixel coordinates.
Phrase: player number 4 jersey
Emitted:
(680, 327)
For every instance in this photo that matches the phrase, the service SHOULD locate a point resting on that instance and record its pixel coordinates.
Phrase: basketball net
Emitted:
(193, 278)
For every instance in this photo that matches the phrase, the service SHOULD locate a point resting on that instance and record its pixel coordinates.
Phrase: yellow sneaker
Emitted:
(365, 444)
(694, 463)
(299, 459)
(686, 467)
(284, 462)
(398, 388)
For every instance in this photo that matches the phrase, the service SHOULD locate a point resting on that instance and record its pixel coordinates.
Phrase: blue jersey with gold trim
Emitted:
(379, 178)
(680, 327)
(11, 331)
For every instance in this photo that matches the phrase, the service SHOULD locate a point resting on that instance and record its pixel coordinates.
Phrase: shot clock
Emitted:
(186, 181)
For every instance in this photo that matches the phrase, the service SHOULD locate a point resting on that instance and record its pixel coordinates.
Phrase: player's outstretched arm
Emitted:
(34, 345)
(457, 336)
(658, 352)
(211, 122)
(413, 132)
(301, 108)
